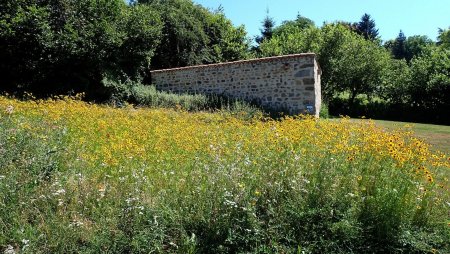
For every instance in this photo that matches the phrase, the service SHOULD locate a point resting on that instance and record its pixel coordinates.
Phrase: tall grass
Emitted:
(149, 96)
(77, 177)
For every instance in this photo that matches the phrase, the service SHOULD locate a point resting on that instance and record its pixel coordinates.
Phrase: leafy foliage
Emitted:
(430, 80)
(193, 35)
(307, 40)
(359, 69)
(67, 45)
(396, 78)
(343, 56)
(292, 26)
(408, 47)
(444, 38)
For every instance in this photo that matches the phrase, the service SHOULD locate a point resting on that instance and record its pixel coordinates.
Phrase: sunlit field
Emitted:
(79, 177)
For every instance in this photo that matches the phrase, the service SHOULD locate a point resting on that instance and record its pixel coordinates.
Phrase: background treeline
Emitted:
(407, 78)
(69, 46)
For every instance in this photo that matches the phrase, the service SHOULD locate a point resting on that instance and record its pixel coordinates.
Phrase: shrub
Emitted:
(324, 112)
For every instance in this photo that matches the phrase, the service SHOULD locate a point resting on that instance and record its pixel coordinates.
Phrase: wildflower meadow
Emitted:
(77, 177)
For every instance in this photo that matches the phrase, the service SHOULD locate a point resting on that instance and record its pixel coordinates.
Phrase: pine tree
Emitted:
(399, 46)
(267, 29)
(366, 27)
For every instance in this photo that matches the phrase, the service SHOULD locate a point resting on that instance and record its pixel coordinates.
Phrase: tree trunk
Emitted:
(352, 99)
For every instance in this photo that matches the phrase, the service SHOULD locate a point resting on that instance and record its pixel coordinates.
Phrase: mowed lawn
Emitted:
(438, 136)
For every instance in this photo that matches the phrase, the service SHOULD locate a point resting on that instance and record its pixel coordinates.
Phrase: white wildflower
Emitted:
(25, 243)
(9, 110)
(173, 245)
(227, 194)
(59, 192)
(9, 250)
(130, 200)
(230, 203)
(76, 223)
(154, 220)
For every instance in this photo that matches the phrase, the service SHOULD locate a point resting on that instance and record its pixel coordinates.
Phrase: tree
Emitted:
(399, 46)
(357, 67)
(396, 80)
(59, 46)
(444, 38)
(352, 26)
(366, 28)
(430, 81)
(228, 43)
(294, 42)
(292, 26)
(416, 45)
(408, 48)
(267, 30)
(349, 62)
(142, 26)
(25, 36)
(332, 38)
(194, 35)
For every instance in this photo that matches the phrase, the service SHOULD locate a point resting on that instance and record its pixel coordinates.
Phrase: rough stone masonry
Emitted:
(288, 83)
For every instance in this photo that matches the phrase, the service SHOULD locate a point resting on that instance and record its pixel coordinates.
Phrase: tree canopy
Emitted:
(63, 46)
(292, 26)
(192, 35)
(444, 38)
(57, 46)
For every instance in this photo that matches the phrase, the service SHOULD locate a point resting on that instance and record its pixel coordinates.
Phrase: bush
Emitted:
(324, 111)
(381, 109)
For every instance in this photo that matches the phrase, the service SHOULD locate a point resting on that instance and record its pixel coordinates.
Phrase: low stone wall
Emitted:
(288, 83)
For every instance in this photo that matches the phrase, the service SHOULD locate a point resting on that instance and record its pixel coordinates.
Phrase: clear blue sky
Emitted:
(414, 17)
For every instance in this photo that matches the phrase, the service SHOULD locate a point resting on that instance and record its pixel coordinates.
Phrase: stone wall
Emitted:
(289, 83)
